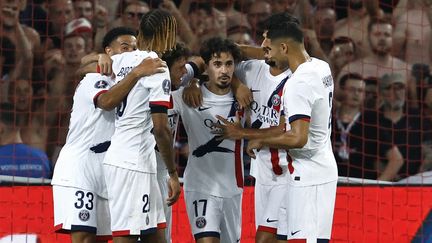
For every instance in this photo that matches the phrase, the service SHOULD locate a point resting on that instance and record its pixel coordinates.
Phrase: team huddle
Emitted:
(116, 178)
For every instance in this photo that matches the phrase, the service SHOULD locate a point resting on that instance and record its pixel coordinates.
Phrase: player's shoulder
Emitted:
(133, 56)
(97, 80)
(251, 64)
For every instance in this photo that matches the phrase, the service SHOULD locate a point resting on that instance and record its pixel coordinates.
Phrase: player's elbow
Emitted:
(105, 103)
(300, 141)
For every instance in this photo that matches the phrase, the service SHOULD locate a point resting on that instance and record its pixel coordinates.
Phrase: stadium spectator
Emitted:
(325, 19)
(131, 14)
(30, 120)
(342, 52)
(205, 21)
(239, 31)
(355, 25)
(16, 157)
(381, 61)
(412, 33)
(24, 38)
(59, 12)
(96, 14)
(7, 61)
(401, 122)
(371, 101)
(355, 137)
(185, 32)
(81, 27)
(258, 12)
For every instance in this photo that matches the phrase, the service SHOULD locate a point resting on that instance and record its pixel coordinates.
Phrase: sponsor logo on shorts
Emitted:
(201, 222)
(84, 215)
(295, 232)
(147, 220)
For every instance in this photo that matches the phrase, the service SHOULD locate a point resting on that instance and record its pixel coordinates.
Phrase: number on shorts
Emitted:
(80, 200)
(146, 201)
(204, 201)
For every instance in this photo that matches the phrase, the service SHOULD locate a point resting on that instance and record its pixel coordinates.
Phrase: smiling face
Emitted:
(220, 70)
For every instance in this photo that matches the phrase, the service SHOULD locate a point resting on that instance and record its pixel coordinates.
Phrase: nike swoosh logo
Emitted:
(255, 90)
(271, 220)
(293, 233)
(203, 108)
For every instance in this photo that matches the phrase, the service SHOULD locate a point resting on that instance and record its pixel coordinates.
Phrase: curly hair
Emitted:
(215, 46)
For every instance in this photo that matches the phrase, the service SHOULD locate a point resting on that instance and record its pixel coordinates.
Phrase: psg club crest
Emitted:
(101, 84)
(200, 222)
(84, 215)
(166, 86)
(276, 100)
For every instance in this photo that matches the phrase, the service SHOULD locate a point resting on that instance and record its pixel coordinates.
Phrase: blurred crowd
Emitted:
(380, 53)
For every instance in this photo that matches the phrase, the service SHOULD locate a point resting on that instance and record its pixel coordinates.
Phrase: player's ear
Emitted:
(108, 50)
(283, 47)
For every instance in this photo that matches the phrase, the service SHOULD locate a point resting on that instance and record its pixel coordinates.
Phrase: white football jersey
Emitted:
(173, 117)
(214, 167)
(270, 166)
(132, 145)
(308, 95)
(90, 129)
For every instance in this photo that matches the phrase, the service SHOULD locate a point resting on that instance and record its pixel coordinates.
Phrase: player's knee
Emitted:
(83, 237)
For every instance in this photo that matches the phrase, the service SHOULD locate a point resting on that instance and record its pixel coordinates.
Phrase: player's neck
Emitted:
(297, 58)
(217, 90)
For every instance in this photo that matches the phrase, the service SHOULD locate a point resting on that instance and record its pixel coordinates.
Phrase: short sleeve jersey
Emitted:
(132, 145)
(270, 165)
(214, 166)
(308, 96)
(90, 131)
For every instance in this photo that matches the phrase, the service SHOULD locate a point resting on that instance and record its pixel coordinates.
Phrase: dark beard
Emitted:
(224, 85)
(270, 63)
(356, 6)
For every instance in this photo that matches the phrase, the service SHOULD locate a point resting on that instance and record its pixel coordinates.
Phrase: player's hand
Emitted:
(227, 129)
(104, 64)
(192, 95)
(253, 144)
(174, 189)
(150, 66)
(244, 96)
